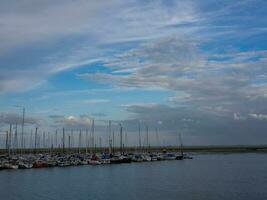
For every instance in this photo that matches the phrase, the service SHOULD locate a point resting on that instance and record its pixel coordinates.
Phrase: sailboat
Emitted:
(182, 155)
(95, 160)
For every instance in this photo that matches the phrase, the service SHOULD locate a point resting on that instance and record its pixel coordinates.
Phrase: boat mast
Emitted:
(157, 135)
(147, 144)
(93, 132)
(72, 138)
(63, 141)
(181, 145)
(113, 141)
(110, 140)
(56, 140)
(139, 133)
(69, 143)
(35, 140)
(31, 139)
(7, 146)
(100, 143)
(126, 139)
(86, 141)
(10, 137)
(16, 138)
(80, 141)
(43, 139)
(121, 138)
(22, 128)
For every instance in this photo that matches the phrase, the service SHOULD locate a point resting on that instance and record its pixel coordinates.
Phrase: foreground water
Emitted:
(207, 176)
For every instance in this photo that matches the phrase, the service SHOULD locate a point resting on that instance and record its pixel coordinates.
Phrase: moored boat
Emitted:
(38, 164)
(24, 165)
(10, 166)
(169, 156)
(95, 160)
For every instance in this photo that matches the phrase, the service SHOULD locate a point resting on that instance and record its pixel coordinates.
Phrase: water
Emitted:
(207, 176)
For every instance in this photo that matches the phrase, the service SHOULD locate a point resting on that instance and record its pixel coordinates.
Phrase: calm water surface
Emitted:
(207, 176)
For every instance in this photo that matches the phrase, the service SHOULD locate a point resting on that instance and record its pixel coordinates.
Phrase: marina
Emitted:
(42, 153)
(133, 100)
(43, 160)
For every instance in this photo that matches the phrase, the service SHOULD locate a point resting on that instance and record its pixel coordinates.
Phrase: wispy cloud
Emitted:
(210, 55)
(95, 101)
(12, 118)
(74, 34)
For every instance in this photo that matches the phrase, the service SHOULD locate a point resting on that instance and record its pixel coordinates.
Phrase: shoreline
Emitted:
(208, 149)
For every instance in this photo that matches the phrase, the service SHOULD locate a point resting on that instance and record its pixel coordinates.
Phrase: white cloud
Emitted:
(258, 116)
(73, 121)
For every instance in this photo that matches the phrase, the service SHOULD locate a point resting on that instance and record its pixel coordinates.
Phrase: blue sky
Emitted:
(197, 67)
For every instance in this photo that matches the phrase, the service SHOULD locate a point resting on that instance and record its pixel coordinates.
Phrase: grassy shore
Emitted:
(222, 149)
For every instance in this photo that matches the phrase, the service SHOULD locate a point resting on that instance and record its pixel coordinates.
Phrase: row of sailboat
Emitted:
(27, 161)
(63, 156)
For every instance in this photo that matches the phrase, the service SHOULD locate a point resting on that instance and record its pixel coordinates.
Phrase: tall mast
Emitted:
(86, 142)
(10, 137)
(121, 138)
(39, 140)
(181, 144)
(31, 139)
(16, 137)
(93, 132)
(100, 142)
(113, 141)
(56, 139)
(147, 137)
(63, 141)
(35, 140)
(72, 138)
(22, 128)
(48, 140)
(69, 143)
(110, 140)
(51, 142)
(139, 134)
(157, 136)
(126, 143)
(43, 139)
(80, 141)
(7, 140)
(126, 139)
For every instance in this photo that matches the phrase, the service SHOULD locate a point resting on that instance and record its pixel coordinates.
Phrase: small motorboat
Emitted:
(94, 162)
(120, 159)
(170, 156)
(64, 164)
(187, 157)
(179, 157)
(153, 157)
(24, 165)
(105, 159)
(147, 158)
(137, 158)
(84, 162)
(10, 166)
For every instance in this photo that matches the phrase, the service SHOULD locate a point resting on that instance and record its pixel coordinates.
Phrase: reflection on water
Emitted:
(207, 176)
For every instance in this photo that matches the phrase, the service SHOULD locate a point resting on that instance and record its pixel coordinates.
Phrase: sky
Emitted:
(196, 68)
